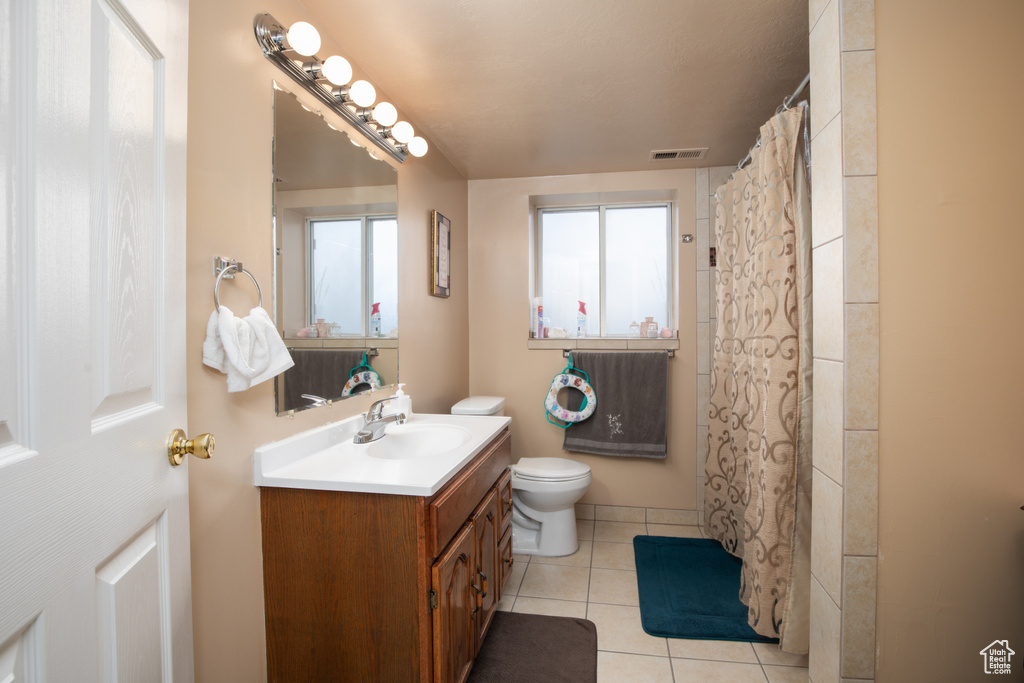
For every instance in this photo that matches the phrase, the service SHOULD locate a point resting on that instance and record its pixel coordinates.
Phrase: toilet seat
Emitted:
(550, 469)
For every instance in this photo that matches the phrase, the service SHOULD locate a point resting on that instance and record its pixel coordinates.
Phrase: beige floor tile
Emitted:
(555, 582)
(719, 672)
(618, 532)
(506, 602)
(674, 530)
(585, 529)
(613, 587)
(718, 650)
(786, 674)
(619, 630)
(616, 667)
(613, 556)
(770, 653)
(581, 558)
(554, 608)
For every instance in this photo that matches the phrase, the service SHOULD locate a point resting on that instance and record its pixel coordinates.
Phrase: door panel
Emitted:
(486, 529)
(94, 573)
(128, 90)
(454, 623)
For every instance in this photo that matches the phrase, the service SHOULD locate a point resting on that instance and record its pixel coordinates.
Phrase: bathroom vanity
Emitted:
(381, 586)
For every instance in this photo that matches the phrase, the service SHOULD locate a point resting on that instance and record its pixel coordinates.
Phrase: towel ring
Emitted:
(225, 271)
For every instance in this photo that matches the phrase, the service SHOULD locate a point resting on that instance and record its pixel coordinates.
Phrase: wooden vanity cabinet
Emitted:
(378, 587)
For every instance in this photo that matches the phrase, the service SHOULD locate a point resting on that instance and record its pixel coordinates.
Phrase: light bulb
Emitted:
(417, 146)
(402, 132)
(362, 93)
(337, 70)
(385, 114)
(304, 38)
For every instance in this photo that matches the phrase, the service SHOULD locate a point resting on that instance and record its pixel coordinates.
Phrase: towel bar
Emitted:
(566, 352)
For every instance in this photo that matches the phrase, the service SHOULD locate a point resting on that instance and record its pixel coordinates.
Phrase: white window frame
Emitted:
(365, 258)
(602, 284)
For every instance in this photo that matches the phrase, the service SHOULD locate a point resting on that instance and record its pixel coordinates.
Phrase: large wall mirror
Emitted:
(336, 260)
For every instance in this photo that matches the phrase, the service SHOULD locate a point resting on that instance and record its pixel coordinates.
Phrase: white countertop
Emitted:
(326, 459)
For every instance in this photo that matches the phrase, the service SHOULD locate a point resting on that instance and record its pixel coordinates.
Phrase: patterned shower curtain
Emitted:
(758, 471)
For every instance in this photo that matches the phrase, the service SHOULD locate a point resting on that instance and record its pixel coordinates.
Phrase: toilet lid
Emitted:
(550, 469)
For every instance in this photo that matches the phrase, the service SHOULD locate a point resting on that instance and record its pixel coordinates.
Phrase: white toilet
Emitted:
(544, 493)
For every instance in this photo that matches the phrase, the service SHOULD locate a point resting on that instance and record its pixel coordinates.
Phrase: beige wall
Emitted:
(229, 205)
(500, 363)
(951, 534)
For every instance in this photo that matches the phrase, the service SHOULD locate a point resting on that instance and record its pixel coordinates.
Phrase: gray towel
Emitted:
(321, 372)
(632, 397)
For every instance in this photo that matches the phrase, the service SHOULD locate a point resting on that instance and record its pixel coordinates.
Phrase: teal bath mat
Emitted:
(689, 588)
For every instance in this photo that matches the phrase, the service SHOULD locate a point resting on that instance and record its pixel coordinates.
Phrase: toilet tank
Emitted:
(480, 405)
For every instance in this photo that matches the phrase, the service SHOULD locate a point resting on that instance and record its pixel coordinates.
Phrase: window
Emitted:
(615, 258)
(353, 262)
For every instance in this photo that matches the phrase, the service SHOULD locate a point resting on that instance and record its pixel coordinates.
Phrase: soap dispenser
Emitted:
(401, 404)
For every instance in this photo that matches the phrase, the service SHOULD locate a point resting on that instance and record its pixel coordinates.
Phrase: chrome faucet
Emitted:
(317, 401)
(374, 424)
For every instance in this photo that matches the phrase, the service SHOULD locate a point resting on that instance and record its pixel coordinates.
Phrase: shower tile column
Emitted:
(845, 255)
(705, 335)
(708, 181)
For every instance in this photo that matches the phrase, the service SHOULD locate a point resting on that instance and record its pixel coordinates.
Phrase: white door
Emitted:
(94, 548)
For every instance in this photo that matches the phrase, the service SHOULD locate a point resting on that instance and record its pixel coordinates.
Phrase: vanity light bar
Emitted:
(275, 41)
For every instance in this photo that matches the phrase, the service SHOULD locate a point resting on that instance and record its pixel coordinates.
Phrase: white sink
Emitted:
(416, 458)
(409, 441)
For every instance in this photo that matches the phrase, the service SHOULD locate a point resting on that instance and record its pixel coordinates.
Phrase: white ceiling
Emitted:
(511, 88)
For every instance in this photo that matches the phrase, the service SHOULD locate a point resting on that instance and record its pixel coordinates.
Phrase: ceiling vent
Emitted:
(674, 154)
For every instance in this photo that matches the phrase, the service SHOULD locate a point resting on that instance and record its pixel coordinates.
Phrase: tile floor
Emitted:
(599, 583)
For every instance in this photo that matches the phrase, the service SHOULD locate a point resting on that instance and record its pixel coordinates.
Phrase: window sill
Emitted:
(605, 344)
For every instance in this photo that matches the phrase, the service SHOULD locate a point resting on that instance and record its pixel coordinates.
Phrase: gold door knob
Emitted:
(178, 445)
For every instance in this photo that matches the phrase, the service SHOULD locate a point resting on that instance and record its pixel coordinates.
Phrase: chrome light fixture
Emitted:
(294, 49)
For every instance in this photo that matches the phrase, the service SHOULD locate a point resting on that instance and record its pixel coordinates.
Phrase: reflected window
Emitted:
(353, 265)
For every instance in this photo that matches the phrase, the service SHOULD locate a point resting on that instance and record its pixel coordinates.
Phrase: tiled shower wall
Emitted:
(708, 180)
(844, 217)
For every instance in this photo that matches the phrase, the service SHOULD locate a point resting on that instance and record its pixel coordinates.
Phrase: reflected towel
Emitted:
(321, 372)
(248, 350)
(632, 416)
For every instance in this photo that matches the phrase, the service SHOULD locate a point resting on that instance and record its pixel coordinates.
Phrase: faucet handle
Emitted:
(377, 409)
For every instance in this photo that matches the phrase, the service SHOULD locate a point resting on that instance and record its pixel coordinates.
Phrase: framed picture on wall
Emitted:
(440, 254)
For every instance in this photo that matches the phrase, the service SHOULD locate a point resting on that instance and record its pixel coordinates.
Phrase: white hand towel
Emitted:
(213, 350)
(273, 355)
(249, 350)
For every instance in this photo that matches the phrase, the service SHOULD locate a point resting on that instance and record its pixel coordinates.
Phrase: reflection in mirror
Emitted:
(336, 260)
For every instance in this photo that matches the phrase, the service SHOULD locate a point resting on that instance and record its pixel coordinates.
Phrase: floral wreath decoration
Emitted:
(361, 374)
(568, 379)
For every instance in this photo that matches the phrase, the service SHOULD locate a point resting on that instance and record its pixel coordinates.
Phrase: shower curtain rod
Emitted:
(785, 105)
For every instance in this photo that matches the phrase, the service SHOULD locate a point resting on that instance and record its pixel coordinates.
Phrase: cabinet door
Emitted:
(505, 561)
(486, 525)
(505, 498)
(455, 634)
